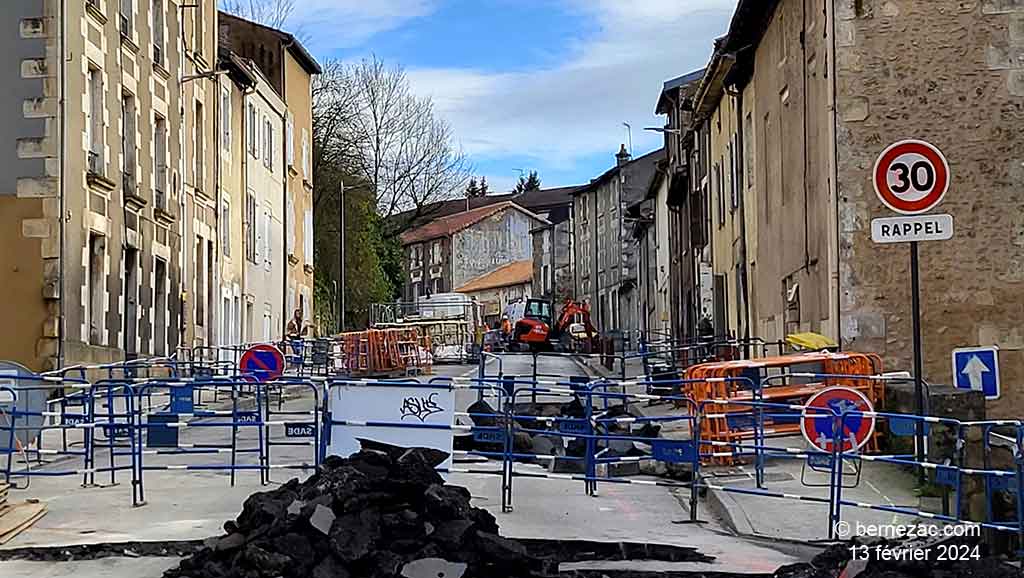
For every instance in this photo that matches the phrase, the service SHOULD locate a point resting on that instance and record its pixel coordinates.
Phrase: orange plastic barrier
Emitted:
(735, 430)
(385, 353)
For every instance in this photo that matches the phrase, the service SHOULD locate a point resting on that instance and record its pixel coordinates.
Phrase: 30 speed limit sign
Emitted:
(911, 177)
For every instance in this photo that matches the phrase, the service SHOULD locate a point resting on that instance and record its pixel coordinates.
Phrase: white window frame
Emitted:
(291, 140)
(307, 236)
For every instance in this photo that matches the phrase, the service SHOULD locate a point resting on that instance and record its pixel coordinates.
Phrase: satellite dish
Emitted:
(31, 398)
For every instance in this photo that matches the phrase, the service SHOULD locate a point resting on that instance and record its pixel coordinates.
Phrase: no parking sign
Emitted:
(262, 362)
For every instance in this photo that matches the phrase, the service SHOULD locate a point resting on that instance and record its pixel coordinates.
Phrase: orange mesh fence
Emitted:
(384, 352)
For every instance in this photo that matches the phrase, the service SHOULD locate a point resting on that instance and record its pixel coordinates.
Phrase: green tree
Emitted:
(529, 183)
(472, 189)
(483, 187)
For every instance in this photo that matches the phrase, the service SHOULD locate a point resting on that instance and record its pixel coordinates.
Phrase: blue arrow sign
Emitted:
(977, 369)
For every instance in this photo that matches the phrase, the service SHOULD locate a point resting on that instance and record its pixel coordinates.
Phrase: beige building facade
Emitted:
(122, 228)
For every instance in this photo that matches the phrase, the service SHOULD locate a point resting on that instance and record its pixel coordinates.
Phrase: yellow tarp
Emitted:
(811, 341)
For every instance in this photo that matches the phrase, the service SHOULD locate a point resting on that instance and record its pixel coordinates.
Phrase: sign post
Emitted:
(911, 177)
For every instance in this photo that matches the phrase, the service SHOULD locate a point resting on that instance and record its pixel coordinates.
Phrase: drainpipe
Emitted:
(836, 313)
(741, 172)
(244, 320)
(61, 217)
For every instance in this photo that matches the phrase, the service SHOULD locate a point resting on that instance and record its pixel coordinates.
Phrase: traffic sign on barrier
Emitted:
(819, 417)
(263, 362)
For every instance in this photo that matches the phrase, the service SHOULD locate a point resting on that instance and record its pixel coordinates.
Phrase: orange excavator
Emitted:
(573, 331)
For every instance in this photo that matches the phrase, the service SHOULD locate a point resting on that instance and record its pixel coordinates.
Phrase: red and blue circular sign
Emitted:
(262, 362)
(819, 419)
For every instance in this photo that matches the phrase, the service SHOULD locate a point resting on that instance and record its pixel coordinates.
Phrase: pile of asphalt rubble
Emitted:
(375, 514)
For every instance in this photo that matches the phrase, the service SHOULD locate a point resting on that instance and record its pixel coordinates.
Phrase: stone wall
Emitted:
(950, 72)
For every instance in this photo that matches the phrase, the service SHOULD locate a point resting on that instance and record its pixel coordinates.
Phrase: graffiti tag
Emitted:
(420, 407)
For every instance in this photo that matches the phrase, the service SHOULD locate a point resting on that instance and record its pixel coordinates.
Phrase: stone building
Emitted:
(799, 100)
(115, 236)
(606, 257)
(449, 252)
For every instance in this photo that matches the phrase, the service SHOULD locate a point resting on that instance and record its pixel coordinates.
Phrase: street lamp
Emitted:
(663, 129)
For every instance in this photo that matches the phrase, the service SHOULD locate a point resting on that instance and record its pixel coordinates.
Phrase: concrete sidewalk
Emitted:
(791, 519)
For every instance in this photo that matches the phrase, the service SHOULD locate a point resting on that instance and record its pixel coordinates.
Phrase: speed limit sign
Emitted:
(911, 177)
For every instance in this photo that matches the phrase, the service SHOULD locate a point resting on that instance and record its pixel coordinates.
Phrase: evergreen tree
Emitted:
(472, 189)
(483, 186)
(529, 183)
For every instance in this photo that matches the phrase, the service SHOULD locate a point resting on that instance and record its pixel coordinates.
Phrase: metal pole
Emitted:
(915, 296)
(341, 258)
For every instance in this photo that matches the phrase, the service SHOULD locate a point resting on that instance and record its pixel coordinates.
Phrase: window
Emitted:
(251, 251)
(128, 144)
(290, 146)
(253, 129)
(97, 291)
(210, 278)
(307, 236)
(126, 18)
(94, 121)
(289, 216)
(160, 156)
(225, 119)
(225, 227)
(199, 131)
(734, 186)
(719, 194)
(435, 286)
(435, 253)
(268, 144)
(748, 149)
(306, 168)
(158, 32)
(197, 28)
(267, 239)
(415, 257)
(200, 294)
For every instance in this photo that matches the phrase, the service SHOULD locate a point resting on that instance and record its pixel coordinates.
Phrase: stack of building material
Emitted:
(383, 353)
(16, 518)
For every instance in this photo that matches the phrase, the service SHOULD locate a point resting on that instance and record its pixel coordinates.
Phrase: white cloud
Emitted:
(333, 24)
(560, 114)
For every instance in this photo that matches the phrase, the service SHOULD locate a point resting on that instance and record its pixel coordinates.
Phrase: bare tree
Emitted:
(367, 120)
(273, 13)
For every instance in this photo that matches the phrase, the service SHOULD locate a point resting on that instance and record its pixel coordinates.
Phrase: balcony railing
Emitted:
(128, 183)
(160, 200)
(95, 167)
(158, 55)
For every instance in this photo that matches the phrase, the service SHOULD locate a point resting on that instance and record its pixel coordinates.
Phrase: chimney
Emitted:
(622, 157)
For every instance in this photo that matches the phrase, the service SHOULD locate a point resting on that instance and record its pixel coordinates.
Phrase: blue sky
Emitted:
(539, 85)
